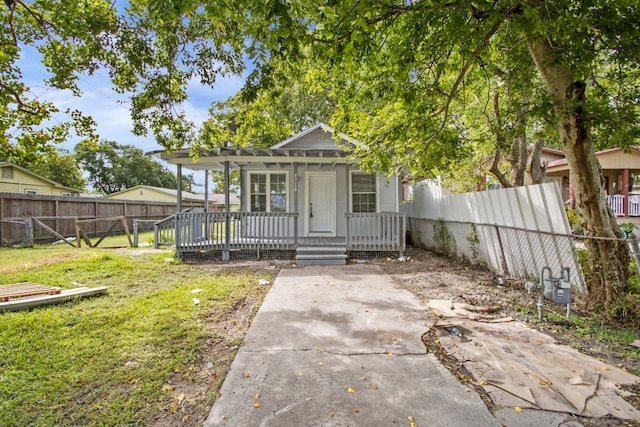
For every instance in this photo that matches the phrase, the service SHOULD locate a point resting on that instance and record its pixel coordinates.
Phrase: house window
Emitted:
(31, 192)
(363, 192)
(65, 194)
(268, 192)
(7, 172)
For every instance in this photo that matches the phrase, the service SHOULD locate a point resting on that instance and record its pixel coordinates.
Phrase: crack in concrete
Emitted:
(337, 353)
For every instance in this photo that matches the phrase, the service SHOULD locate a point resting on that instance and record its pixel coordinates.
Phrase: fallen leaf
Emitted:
(257, 404)
(320, 363)
(245, 375)
(518, 409)
(481, 382)
(363, 378)
(299, 374)
(181, 397)
(356, 410)
(604, 368)
(375, 387)
(351, 390)
(332, 414)
(257, 396)
(389, 354)
(173, 406)
(223, 417)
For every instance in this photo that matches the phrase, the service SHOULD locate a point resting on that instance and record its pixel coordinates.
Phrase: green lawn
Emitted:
(109, 360)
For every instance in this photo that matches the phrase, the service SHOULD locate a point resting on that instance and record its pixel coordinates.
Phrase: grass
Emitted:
(107, 360)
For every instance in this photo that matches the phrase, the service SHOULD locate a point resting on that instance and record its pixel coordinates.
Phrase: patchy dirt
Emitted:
(195, 389)
(428, 276)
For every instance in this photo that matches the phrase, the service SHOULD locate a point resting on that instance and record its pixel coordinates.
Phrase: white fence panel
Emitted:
(515, 231)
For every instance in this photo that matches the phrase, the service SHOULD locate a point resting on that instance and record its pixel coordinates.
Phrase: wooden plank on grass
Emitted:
(25, 289)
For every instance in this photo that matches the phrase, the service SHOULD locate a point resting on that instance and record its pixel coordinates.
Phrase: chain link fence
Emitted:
(508, 251)
(14, 233)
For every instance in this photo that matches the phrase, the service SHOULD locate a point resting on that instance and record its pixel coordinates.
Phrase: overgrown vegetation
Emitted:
(443, 239)
(110, 360)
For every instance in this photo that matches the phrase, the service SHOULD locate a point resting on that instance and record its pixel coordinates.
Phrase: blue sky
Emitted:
(110, 109)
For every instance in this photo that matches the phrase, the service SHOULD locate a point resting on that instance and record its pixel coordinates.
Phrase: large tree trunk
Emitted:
(538, 170)
(609, 259)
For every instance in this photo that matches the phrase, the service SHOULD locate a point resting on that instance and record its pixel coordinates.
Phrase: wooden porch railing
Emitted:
(236, 231)
(617, 201)
(380, 231)
(164, 232)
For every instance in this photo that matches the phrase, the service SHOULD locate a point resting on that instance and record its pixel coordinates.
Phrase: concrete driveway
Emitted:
(340, 346)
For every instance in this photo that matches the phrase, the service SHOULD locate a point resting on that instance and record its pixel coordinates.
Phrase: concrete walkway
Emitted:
(340, 346)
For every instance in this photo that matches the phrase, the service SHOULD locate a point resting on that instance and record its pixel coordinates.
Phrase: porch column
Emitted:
(227, 218)
(295, 204)
(243, 203)
(206, 191)
(625, 192)
(179, 201)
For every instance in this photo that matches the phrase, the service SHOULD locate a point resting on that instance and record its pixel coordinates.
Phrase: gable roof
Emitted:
(214, 198)
(311, 135)
(168, 191)
(40, 177)
(631, 153)
(310, 147)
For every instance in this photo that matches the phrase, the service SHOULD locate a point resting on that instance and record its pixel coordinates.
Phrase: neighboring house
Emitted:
(149, 193)
(304, 196)
(547, 156)
(618, 168)
(16, 179)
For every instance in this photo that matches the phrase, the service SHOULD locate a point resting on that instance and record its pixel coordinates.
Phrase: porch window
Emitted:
(268, 192)
(363, 192)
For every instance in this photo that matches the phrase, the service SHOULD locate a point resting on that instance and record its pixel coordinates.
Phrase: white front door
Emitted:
(320, 209)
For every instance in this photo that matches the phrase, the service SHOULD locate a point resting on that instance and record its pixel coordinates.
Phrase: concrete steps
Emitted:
(321, 255)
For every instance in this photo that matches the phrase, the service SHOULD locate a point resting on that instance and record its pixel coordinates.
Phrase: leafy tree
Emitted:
(112, 167)
(74, 38)
(59, 166)
(402, 68)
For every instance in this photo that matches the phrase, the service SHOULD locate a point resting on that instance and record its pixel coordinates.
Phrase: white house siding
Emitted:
(389, 192)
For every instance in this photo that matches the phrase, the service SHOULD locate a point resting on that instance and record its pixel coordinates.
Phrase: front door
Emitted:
(320, 209)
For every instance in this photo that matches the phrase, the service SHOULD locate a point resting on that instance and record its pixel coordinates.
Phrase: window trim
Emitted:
(268, 174)
(30, 192)
(375, 192)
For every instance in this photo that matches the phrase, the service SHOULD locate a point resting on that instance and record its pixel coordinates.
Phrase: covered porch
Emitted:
(262, 235)
(619, 167)
(304, 199)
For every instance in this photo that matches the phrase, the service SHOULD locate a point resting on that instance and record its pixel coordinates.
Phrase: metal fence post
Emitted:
(135, 232)
(503, 260)
(635, 248)
(28, 232)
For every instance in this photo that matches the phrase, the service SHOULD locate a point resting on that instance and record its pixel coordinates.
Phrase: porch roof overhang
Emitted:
(243, 157)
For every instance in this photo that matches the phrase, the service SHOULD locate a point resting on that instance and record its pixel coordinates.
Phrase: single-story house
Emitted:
(304, 197)
(149, 193)
(16, 179)
(618, 168)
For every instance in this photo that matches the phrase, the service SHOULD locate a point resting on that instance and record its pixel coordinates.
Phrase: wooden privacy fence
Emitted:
(59, 213)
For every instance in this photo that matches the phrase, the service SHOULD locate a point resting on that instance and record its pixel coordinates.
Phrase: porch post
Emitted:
(179, 201)
(295, 204)
(625, 192)
(206, 190)
(227, 218)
